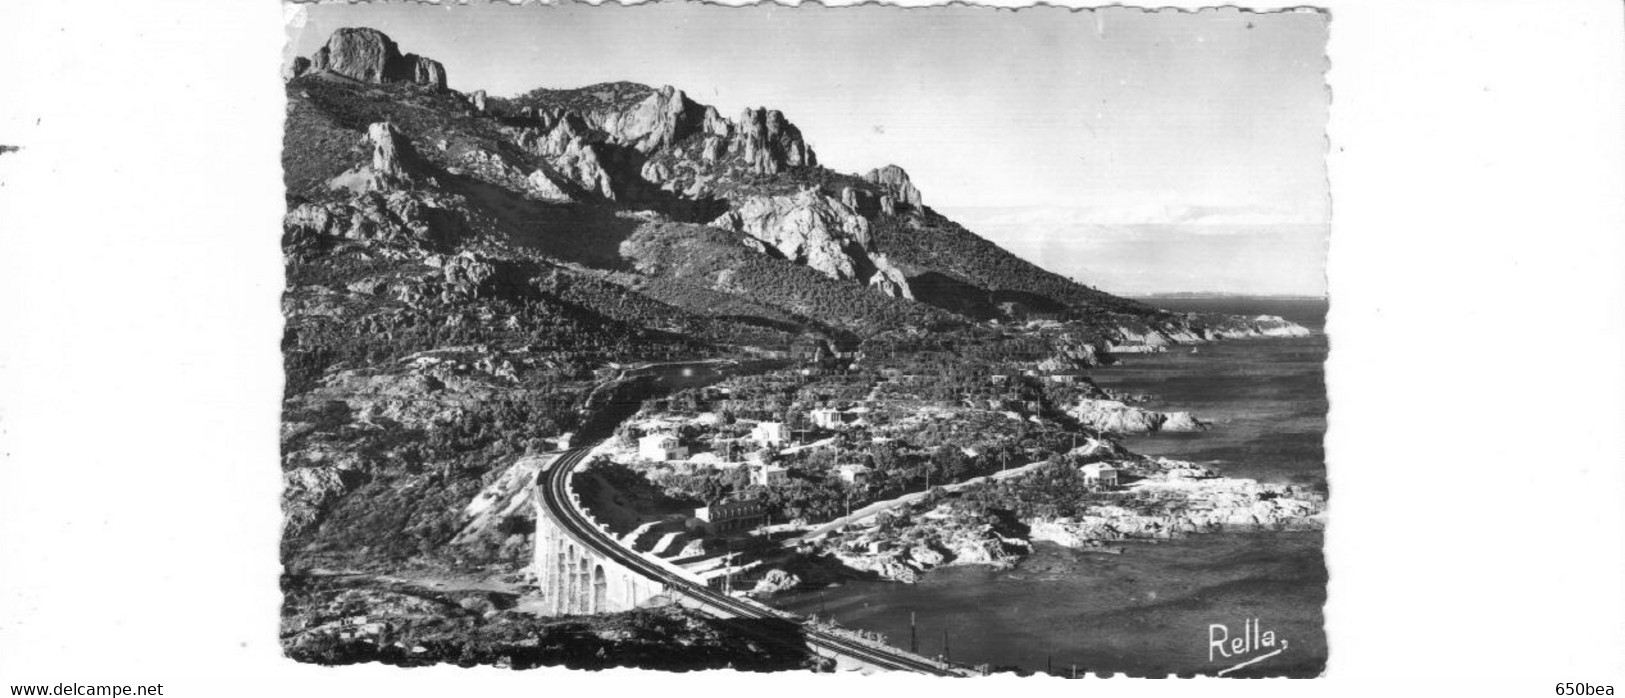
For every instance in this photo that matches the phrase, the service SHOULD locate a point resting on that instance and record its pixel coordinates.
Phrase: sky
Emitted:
(1092, 142)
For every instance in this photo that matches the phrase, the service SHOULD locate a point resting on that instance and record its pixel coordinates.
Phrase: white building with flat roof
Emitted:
(854, 473)
(826, 418)
(1103, 474)
(661, 447)
(770, 434)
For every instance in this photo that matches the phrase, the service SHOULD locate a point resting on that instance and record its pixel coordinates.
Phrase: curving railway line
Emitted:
(554, 490)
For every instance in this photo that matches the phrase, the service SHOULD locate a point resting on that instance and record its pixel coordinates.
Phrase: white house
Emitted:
(854, 473)
(826, 418)
(770, 434)
(661, 447)
(769, 475)
(1104, 474)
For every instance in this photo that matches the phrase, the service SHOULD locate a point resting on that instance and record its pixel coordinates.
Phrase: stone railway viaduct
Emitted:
(582, 569)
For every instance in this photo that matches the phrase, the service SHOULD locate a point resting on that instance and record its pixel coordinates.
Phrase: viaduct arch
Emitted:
(574, 576)
(582, 569)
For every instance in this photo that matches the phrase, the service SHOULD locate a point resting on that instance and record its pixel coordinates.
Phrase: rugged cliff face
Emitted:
(656, 152)
(463, 269)
(820, 232)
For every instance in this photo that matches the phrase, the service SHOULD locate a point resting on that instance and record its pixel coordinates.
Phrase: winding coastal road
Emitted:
(554, 488)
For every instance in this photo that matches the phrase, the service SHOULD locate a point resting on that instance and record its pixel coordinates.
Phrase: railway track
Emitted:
(554, 486)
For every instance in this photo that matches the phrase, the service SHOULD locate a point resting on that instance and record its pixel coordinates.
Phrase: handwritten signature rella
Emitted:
(1252, 640)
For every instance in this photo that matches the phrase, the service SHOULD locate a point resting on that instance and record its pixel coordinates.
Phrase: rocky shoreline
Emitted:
(1166, 499)
(1119, 417)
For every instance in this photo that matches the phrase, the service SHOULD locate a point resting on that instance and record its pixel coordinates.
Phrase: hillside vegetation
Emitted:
(472, 280)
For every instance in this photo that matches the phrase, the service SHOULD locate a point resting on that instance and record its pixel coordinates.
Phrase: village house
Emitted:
(768, 474)
(831, 418)
(661, 447)
(854, 473)
(827, 418)
(728, 517)
(1103, 474)
(770, 434)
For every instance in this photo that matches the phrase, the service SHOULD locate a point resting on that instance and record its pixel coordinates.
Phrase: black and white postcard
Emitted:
(455, 348)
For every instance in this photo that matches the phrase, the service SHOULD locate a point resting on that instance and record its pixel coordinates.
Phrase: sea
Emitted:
(1153, 610)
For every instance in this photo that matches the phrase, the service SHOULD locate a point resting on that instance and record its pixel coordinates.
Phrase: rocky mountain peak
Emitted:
(895, 180)
(369, 55)
(770, 143)
(662, 119)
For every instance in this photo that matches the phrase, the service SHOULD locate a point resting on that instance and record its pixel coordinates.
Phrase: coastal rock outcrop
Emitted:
(1153, 338)
(1183, 421)
(1257, 326)
(1196, 328)
(953, 541)
(1165, 499)
(1183, 504)
(370, 56)
(1116, 416)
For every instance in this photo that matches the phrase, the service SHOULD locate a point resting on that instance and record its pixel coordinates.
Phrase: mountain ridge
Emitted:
(648, 148)
(466, 273)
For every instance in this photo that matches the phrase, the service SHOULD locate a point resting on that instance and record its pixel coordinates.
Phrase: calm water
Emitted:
(1147, 611)
(1266, 398)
